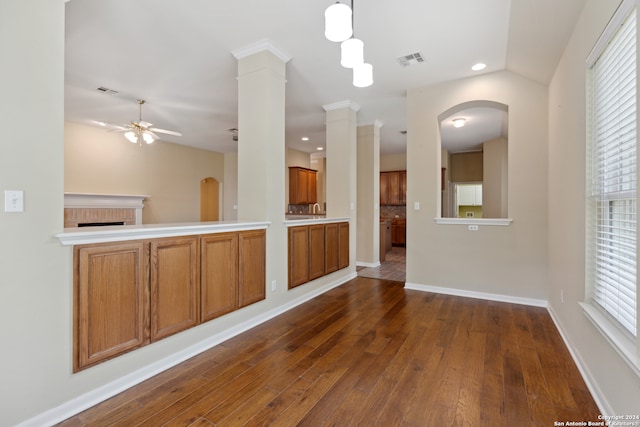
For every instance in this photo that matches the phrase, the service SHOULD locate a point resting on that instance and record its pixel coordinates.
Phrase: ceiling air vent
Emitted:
(107, 90)
(412, 59)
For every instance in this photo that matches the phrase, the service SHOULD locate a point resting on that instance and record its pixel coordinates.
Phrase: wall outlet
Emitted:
(473, 228)
(274, 285)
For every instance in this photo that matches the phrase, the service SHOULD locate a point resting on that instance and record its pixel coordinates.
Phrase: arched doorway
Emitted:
(209, 204)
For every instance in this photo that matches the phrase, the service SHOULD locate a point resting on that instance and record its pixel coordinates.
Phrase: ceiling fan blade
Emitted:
(168, 132)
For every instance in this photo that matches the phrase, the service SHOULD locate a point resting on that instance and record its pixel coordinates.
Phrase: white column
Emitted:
(368, 190)
(261, 149)
(341, 152)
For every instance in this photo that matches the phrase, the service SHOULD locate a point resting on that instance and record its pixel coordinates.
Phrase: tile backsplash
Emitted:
(393, 211)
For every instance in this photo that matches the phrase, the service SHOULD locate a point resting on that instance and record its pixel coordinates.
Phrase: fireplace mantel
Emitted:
(103, 207)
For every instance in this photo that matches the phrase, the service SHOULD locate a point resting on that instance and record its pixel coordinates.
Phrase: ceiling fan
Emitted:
(139, 131)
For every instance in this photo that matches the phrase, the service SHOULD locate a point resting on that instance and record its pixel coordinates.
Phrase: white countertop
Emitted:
(116, 233)
(296, 220)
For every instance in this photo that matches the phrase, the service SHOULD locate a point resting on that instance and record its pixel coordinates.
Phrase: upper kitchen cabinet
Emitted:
(393, 188)
(302, 186)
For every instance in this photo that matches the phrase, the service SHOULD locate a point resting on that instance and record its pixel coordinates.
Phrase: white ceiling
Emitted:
(177, 56)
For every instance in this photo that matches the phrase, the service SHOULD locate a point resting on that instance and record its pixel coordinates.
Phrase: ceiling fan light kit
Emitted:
(338, 27)
(139, 131)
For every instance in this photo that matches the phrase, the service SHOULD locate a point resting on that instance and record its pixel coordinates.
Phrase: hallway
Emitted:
(392, 268)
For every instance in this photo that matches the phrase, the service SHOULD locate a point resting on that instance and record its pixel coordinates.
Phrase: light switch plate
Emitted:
(13, 201)
(416, 206)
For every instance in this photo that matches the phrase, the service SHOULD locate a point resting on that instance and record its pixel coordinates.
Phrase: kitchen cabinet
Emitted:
(251, 264)
(302, 186)
(174, 284)
(469, 194)
(111, 301)
(128, 294)
(332, 247)
(393, 188)
(298, 255)
(317, 250)
(398, 231)
(218, 275)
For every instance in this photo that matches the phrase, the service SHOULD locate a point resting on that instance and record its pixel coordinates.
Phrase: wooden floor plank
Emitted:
(370, 353)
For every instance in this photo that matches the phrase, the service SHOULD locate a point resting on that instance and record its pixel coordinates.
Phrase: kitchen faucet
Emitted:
(313, 209)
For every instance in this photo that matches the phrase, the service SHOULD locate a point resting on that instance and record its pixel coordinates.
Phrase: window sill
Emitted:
(474, 221)
(617, 338)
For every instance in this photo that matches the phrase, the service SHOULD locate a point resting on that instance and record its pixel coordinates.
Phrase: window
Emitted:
(612, 220)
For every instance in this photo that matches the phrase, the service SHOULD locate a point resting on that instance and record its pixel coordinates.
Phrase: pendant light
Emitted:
(337, 22)
(363, 75)
(352, 53)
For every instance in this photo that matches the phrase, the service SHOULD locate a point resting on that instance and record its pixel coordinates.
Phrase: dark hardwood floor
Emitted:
(370, 353)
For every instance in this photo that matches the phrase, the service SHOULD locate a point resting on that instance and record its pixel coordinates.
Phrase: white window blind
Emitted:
(614, 183)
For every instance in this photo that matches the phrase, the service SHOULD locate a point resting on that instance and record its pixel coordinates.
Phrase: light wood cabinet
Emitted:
(393, 188)
(251, 273)
(218, 275)
(175, 288)
(127, 295)
(111, 300)
(302, 186)
(298, 255)
(332, 247)
(317, 250)
(343, 249)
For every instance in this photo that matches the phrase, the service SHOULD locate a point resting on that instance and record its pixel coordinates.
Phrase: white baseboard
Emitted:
(598, 396)
(477, 295)
(368, 264)
(100, 394)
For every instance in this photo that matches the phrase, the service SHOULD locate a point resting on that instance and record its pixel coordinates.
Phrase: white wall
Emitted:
(35, 290)
(617, 387)
(509, 260)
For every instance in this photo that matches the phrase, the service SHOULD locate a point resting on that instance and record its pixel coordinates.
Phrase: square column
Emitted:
(341, 178)
(368, 184)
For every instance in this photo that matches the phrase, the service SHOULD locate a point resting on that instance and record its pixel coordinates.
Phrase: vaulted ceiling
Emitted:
(177, 55)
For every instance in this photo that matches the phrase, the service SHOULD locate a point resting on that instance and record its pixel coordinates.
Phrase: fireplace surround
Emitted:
(86, 209)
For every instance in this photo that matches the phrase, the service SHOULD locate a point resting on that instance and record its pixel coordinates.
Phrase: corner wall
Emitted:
(616, 388)
(503, 260)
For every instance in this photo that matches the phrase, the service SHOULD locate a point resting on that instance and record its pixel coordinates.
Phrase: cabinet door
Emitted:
(332, 247)
(384, 188)
(111, 301)
(394, 188)
(175, 286)
(252, 264)
(398, 232)
(298, 256)
(343, 238)
(402, 197)
(218, 275)
(312, 186)
(298, 186)
(316, 251)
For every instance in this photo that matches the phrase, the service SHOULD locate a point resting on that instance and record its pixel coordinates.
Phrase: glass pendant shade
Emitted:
(352, 53)
(131, 136)
(363, 75)
(337, 22)
(148, 138)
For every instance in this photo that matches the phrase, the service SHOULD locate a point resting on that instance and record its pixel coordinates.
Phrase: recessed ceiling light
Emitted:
(479, 66)
(458, 123)
(320, 148)
(305, 138)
